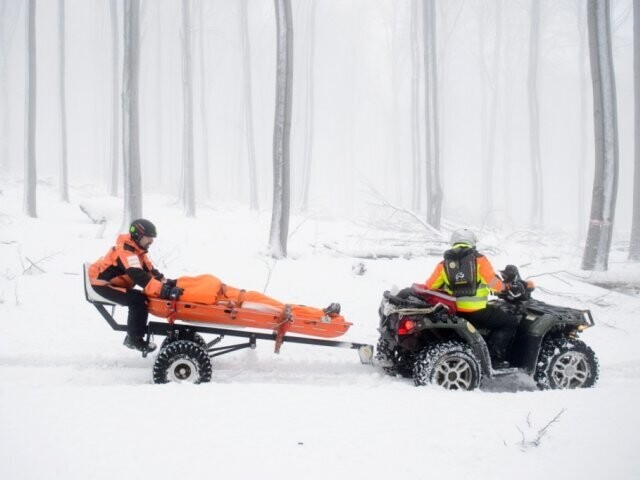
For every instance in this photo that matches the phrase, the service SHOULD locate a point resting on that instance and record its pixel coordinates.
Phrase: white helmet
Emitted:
(464, 236)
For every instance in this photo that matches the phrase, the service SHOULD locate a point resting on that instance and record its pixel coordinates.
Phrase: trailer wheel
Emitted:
(182, 361)
(184, 335)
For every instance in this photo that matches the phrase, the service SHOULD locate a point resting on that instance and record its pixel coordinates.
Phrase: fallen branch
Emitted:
(99, 220)
(535, 442)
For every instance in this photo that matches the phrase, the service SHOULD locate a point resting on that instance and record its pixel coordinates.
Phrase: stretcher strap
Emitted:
(283, 326)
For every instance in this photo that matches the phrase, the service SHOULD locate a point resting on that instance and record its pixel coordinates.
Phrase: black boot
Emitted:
(139, 343)
(332, 309)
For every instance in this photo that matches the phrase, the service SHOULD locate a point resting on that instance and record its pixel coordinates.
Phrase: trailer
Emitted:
(185, 355)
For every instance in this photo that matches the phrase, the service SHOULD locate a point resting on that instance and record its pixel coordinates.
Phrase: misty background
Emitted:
(352, 72)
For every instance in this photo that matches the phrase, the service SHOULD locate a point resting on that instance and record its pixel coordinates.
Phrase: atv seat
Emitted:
(90, 294)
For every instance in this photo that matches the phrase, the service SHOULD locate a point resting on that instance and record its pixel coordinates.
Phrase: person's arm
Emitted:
(133, 267)
(488, 275)
(437, 278)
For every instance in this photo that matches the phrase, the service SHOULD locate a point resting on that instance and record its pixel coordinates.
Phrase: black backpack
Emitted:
(461, 268)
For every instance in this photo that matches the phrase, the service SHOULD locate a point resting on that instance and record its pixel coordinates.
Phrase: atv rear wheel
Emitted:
(566, 363)
(451, 365)
(182, 361)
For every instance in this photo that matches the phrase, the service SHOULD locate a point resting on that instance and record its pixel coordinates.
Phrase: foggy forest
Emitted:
(514, 114)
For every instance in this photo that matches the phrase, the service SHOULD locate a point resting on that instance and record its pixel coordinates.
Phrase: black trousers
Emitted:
(137, 303)
(503, 326)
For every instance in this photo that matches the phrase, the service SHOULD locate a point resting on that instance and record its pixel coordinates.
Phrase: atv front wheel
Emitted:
(182, 361)
(566, 363)
(451, 365)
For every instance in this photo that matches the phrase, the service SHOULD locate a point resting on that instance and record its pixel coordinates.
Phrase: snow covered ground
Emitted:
(76, 404)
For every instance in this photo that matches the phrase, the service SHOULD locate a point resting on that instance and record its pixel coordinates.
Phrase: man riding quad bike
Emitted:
(430, 336)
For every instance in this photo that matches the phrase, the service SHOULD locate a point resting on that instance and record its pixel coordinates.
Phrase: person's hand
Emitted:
(170, 293)
(516, 289)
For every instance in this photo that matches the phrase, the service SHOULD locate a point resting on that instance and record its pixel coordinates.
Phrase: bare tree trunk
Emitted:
(534, 116)
(484, 101)
(248, 105)
(64, 180)
(309, 112)
(188, 185)
(416, 153)
(582, 161)
(605, 181)
(634, 246)
(203, 106)
(489, 170)
(434, 190)
(30, 175)
(7, 26)
(130, 113)
(114, 161)
(281, 133)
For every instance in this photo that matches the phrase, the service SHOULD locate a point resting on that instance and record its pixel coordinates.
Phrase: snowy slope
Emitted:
(76, 404)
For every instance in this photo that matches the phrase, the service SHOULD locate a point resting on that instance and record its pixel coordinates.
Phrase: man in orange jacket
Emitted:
(469, 276)
(124, 266)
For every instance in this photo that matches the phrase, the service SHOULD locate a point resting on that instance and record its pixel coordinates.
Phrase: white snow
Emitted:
(76, 404)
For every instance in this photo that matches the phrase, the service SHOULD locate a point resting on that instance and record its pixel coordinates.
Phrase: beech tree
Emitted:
(534, 115)
(64, 182)
(188, 175)
(281, 132)
(203, 102)
(248, 105)
(130, 113)
(114, 158)
(634, 245)
(416, 153)
(9, 12)
(309, 107)
(432, 150)
(30, 175)
(605, 181)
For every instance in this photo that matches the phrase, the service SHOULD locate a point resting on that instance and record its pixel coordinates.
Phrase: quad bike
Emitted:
(422, 338)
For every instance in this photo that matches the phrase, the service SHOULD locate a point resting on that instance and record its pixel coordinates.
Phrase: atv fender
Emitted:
(528, 346)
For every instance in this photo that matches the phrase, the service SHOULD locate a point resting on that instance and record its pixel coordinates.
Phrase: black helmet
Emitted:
(142, 228)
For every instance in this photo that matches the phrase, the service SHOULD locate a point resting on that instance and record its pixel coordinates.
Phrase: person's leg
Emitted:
(138, 314)
(505, 326)
(501, 324)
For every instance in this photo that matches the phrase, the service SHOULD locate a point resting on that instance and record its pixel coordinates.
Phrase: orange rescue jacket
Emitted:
(126, 265)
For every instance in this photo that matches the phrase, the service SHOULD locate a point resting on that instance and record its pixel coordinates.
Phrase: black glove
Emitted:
(510, 274)
(171, 282)
(157, 275)
(170, 293)
(516, 289)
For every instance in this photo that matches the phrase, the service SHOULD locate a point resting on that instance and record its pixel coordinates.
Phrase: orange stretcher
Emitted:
(207, 304)
(205, 299)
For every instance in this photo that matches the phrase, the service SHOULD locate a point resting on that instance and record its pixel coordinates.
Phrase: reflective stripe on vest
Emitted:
(470, 304)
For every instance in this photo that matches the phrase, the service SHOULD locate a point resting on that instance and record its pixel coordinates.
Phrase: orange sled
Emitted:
(213, 308)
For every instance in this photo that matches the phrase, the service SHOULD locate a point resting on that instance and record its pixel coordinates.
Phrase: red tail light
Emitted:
(406, 326)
